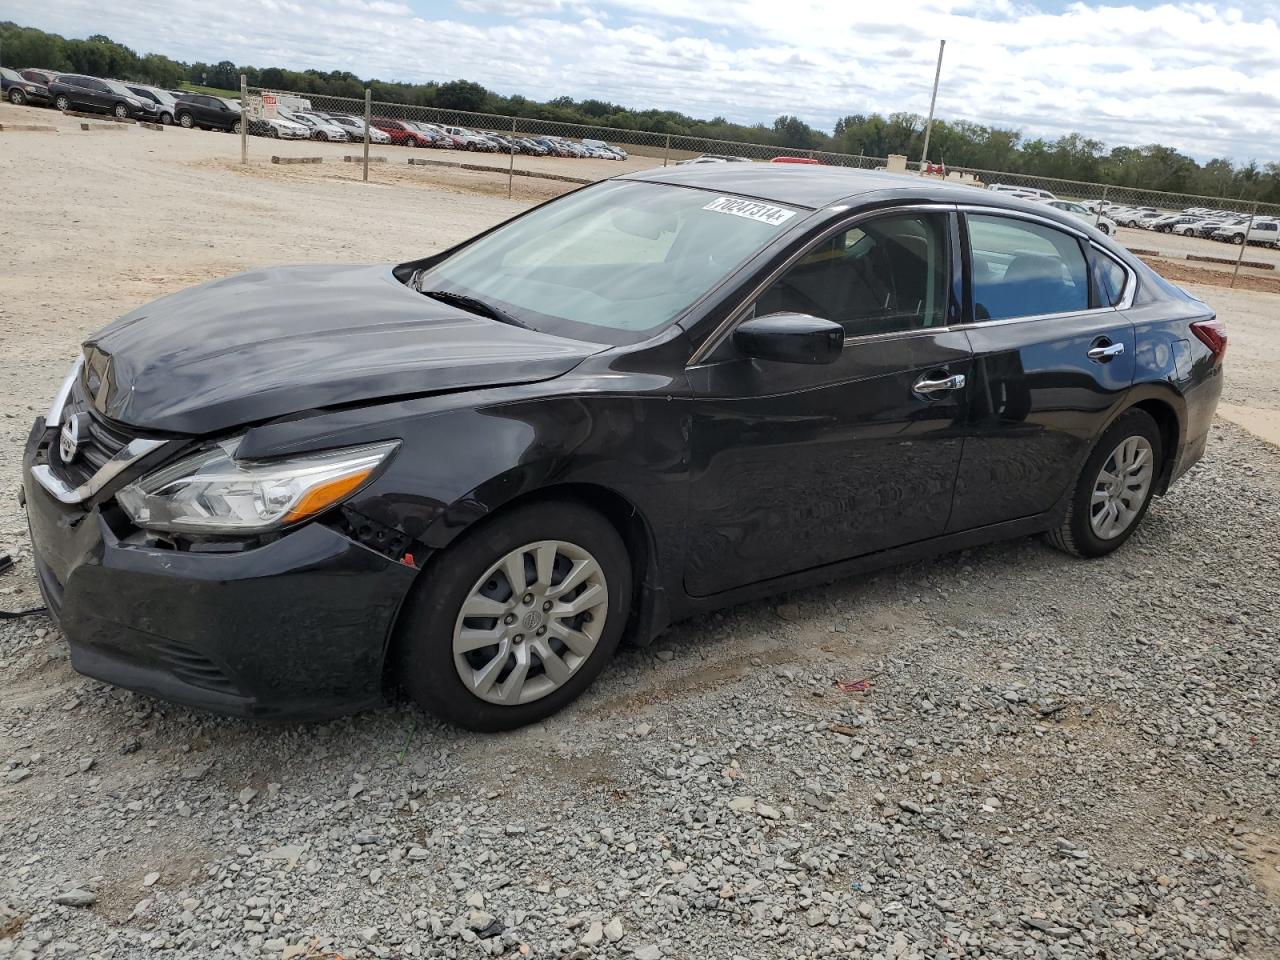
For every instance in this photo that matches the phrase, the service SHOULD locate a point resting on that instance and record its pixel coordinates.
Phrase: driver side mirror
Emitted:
(790, 338)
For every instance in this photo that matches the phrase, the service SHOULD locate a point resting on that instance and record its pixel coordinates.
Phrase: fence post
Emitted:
(1102, 204)
(368, 104)
(244, 119)
(667, 152)
(511, 159)
(1244, 243)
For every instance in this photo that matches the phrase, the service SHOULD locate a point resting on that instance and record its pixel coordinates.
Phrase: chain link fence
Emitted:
(508, 145)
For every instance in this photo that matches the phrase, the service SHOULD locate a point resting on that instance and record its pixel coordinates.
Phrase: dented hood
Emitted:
(282, 340)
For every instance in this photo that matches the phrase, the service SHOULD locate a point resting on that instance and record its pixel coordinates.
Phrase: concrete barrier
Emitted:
(28, 128)
(297, 159)
(151, 126)
(518, 172)
(97, 116)
(350, 159)
(102, 126)
(1231, 261)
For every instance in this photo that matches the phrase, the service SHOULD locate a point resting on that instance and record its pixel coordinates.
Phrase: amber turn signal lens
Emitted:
(325, 495)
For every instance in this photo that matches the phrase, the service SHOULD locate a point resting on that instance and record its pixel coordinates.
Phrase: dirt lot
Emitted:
(1036, 757)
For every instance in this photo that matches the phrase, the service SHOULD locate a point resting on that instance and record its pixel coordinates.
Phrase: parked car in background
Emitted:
(321, 127)
(1193, 227)
(166, 103)
(1167, 223)
(611, 153)
(74, 91)
(474, 472)
(1035, 192)
(278, 128)
(1208, 228)
(38, 75)
(1131, 216)
(20, 90)
(354, 127)
(469, 140)
(437, 139)
(1105, 224)
(205, 112)
(1263, 233)
(401, 132)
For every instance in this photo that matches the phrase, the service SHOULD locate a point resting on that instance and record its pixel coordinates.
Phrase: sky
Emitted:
(1203, 77)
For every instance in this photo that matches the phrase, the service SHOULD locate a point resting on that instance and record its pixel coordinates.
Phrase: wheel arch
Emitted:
(1167, 409)
(648, 613)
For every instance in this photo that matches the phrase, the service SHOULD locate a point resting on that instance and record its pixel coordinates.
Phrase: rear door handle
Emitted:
(926, 387)
(1105, 353)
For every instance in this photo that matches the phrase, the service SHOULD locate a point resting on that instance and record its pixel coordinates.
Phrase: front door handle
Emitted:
(1106, 353)
(926, 387)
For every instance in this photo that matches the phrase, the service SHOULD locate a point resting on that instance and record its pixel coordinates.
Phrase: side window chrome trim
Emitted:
(722, 332)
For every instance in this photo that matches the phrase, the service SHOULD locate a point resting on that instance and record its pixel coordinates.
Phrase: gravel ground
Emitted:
(998, 753)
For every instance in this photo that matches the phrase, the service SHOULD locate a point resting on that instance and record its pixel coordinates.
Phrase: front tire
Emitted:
(16, 97)
(1114, 489)
(516, 619)
(166, 119)
(121, 111)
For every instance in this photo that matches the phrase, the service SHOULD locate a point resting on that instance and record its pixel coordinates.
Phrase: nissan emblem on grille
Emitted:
(74, 432)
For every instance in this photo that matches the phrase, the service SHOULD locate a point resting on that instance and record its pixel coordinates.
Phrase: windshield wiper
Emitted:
(475, 305)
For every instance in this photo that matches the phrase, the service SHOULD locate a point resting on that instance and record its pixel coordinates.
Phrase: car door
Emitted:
(1053, 359)
(97, 94)
(794, 466)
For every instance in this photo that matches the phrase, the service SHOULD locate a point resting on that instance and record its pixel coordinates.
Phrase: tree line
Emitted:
(960, 143)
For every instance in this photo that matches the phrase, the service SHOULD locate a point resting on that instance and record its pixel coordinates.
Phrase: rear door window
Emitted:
(1024, 269)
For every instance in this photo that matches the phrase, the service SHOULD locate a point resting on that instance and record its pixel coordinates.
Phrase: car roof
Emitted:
(816, 186)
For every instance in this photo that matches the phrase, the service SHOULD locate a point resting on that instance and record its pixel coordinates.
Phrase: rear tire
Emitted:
(61, 102)
(186, 121)
(1105, 479)
(471, 572)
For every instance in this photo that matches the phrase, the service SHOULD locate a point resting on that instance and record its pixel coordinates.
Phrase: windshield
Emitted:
(611, 263)
(10, 75)
(120, 88)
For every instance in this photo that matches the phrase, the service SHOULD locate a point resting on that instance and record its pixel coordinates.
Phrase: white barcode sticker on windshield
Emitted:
(751, 209)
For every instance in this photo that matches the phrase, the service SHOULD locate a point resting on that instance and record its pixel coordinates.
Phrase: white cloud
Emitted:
(1198, 76)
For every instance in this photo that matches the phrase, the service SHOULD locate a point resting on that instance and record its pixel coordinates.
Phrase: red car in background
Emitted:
(401, 133)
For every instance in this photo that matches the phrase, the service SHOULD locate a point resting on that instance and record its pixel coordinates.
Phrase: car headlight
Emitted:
(212, 492)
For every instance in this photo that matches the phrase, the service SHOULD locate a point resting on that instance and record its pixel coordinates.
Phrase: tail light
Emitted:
(1213, 334)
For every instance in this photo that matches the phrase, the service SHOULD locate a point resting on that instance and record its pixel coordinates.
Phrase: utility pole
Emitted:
(928, 127)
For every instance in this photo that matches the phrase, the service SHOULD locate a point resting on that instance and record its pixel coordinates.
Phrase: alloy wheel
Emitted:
(15, 97)
(121, 111)
(1121, 487)
(184, 120)
(531, 622)
(62, 103)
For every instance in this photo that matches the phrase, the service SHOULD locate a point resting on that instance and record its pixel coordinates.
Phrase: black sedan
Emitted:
(476, 472)
(19, 90)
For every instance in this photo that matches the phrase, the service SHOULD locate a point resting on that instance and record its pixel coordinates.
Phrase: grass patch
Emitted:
(211, 91)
